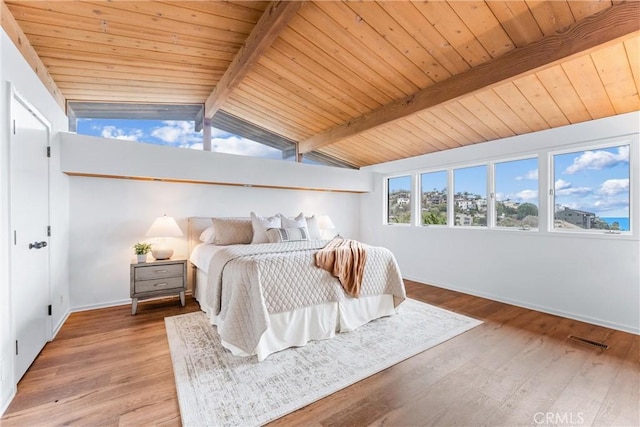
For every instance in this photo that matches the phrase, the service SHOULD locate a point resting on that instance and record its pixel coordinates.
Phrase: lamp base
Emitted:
(162, 253)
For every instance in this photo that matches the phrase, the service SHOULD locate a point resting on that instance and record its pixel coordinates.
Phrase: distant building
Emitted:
(403, 201)
(582, 219)
(464, 220)
(465, 204)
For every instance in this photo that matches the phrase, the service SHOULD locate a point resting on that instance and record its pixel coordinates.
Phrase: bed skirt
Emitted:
(297, 327)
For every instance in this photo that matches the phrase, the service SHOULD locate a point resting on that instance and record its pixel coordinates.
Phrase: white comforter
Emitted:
(247, 283)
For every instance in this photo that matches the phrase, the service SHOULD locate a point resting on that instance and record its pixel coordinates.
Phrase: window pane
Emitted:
(399, 200)
(470, 201)
(433, 187)
(174, 133)
(517, 193)
(592, 189)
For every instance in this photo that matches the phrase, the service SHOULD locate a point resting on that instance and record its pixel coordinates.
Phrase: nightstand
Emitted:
(158, 278)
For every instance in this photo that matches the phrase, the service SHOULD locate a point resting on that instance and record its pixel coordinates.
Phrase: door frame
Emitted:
(15, 96)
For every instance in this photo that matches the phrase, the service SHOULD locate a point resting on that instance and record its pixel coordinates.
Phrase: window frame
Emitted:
(551, 191)
(411, 199)
(418, 209)
(488, 180)
(494, 213)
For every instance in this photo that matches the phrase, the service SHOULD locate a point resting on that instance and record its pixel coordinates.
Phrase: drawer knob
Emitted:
(159, 285)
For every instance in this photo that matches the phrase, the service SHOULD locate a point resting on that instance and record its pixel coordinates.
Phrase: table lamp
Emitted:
(164, 226)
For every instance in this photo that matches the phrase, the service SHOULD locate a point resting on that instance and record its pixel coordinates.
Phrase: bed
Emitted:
(265, 297)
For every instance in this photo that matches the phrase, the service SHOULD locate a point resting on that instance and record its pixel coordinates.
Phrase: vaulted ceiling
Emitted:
(364, 82)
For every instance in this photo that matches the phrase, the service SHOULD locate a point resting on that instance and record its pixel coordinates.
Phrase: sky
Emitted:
(174, 133)
(592, 180)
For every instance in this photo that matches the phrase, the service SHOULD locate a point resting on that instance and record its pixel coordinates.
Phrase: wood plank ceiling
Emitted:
(364, 82)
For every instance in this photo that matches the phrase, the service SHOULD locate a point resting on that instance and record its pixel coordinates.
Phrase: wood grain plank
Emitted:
(351, 50)
(426, 35)
(486, 116)
(616, 76)
(553, 17)
(485, 27)
(494, 103)
(472, 121)
(20, 40)
(516, 18)
(521, 106)
(632, 47)
(557, 83)
(266, 31)
(401, 41)
(536, 94)
(614, 25)
(586, 81)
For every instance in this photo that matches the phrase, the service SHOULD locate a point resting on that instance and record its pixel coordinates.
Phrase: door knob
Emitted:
(37, 245)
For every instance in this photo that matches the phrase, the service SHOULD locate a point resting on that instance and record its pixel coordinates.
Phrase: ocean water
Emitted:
(624, 222)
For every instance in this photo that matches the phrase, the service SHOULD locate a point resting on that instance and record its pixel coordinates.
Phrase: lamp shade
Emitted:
(164, 226)
(325, 223)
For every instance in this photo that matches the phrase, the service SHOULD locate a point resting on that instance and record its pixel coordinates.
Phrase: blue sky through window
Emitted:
(174, 133)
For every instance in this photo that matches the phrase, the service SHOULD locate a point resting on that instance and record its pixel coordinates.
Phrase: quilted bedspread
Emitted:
(246, 283)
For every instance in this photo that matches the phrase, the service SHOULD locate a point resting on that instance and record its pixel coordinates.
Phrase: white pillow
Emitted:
(260, 226)
(313, 227)
(298, 221)
(208, 235)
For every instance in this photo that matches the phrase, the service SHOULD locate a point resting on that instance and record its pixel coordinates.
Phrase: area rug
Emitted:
(216, 388)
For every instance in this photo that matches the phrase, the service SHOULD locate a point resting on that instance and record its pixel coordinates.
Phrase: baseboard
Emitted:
(111, 304)
(60, 323)
(542, 309)
(101, 305)
(5, 405)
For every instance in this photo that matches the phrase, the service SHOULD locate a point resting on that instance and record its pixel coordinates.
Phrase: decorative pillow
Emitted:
(232, 231)
(313, 227)
(277, 235)
(208, 235)
(260, 226)
(298, 221)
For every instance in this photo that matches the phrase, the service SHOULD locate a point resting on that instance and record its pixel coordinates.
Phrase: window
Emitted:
(591, 189)
(516, 193)
(399, 200)
(433, 194)
(470, 196)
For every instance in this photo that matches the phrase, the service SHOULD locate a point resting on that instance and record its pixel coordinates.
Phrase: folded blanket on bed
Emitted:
(344, 259)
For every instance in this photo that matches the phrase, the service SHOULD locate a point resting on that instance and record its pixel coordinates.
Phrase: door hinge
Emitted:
(48, 231)
(16, 347)
(48, 151)
(15, 237)
(49, 310)
(14, 127)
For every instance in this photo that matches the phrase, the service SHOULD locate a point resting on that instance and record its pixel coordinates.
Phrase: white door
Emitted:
(29, 195)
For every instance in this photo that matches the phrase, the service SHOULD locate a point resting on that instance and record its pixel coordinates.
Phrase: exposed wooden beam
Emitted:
(273, 21)
(18, 37)
(619, 21)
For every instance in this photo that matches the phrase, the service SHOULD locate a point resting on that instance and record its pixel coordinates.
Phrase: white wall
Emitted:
(590, 278)
(14, 69)
(108, 216)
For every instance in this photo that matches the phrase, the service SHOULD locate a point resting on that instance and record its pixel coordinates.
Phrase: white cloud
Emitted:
(612, 187)
(176, 132)
(527, 195)
(245, 147)
(532, 174)
(117, 133)
(561, 183)
(564, 188)
(597, 160)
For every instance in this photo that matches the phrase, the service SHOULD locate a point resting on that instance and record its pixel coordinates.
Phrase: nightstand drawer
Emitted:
(159, 271)
(159, 284)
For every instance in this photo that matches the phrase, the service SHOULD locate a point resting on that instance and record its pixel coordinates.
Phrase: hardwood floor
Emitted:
(107, 367)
